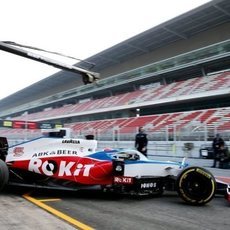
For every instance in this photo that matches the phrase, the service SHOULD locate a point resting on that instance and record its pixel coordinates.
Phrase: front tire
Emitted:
(4, 174)
(196, 185)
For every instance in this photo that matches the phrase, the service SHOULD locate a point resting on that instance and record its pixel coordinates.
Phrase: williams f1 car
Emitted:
(55, 161)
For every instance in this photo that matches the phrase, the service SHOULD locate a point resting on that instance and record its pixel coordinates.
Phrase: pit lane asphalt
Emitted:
(96, 210)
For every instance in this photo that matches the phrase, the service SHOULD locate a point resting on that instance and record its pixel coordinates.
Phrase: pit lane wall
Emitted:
(162, 148)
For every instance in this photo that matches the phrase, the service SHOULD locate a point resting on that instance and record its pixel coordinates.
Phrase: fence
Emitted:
(190, 133)
(169, 141)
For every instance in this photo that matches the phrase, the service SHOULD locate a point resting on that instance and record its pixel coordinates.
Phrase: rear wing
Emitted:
(87, 76)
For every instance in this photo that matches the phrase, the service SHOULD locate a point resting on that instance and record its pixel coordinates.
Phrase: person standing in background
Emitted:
(141, 141)
(217, 144)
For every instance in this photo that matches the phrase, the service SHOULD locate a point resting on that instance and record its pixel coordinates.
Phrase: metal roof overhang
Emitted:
(205, 17)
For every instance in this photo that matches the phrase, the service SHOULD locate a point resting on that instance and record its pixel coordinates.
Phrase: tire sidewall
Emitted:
(4, 174)
(195, 172)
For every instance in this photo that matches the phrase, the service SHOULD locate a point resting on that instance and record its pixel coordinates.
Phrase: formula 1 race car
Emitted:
(56, 161)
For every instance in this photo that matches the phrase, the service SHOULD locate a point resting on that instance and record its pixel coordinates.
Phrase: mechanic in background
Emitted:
(141, 141)
(217, 145)
(224, 157)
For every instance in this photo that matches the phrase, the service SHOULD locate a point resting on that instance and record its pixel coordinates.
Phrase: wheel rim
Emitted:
(197, 187)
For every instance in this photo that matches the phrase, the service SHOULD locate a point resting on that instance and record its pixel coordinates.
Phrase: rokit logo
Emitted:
(50, 167)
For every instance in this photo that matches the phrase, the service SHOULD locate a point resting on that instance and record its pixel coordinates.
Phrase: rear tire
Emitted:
(196, 185)
(4, 174)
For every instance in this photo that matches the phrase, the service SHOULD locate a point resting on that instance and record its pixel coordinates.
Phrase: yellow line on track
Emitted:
(48, 200)
(58, 213)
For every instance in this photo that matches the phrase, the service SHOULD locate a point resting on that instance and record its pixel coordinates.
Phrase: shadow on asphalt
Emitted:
(92, 194)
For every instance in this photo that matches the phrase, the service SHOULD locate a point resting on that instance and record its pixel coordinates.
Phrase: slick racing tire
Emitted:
(4, 174)
(196, 185)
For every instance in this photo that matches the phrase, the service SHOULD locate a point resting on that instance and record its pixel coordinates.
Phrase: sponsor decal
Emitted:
(123, 180)
(81, 149)
(204, 173)
(18, 151)
(148, 185)
(66, 152)
(70, 141)
(41, 154)
(58, 152)
(61, 169)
